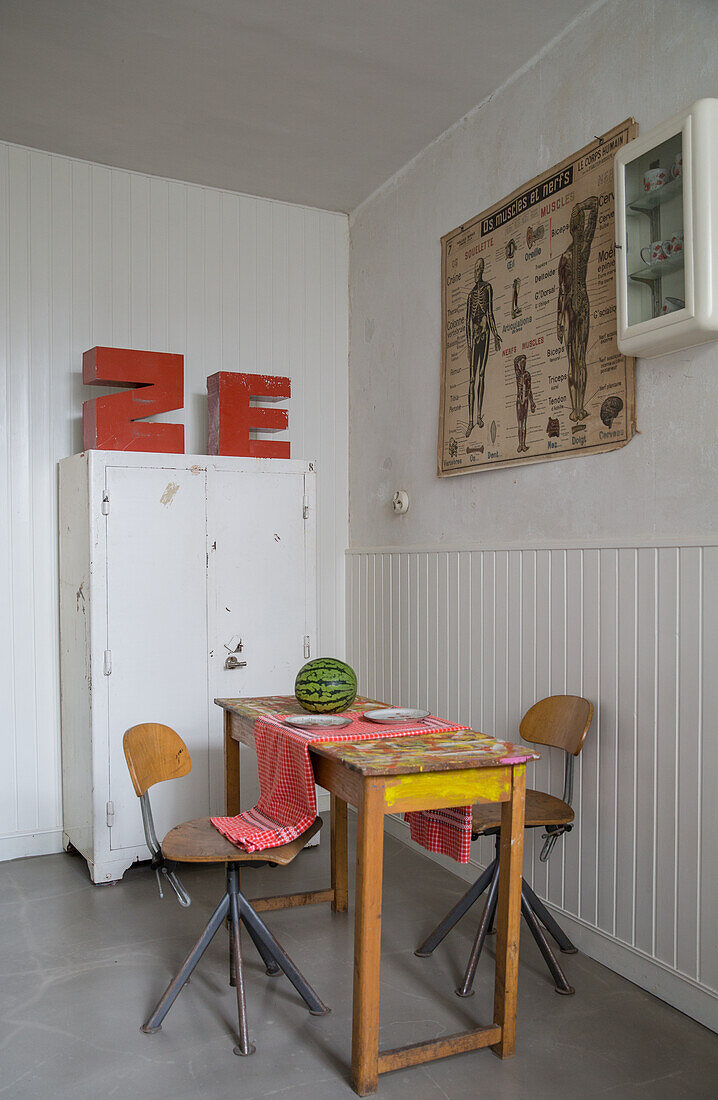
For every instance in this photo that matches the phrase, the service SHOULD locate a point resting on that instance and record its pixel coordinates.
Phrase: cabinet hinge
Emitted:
(105, 504)
(107, 662)
(307, 647)
(110, 814)
(305, 507)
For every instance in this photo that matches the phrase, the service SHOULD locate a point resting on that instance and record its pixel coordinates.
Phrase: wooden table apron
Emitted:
(374, 796)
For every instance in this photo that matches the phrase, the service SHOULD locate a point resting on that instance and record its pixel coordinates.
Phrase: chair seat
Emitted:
(541, 809)
(199, 842)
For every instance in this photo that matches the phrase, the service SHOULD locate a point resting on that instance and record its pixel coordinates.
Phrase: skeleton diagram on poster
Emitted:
(530, 366)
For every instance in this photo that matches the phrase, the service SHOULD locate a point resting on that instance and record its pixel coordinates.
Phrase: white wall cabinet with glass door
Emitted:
(667, 234)
(170, 565)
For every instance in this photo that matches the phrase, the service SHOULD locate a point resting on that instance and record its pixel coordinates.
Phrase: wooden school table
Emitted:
(388, 777)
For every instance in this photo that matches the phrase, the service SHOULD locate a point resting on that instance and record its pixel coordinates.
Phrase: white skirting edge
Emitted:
(43, 842)
(697, 1001)
(670, 541)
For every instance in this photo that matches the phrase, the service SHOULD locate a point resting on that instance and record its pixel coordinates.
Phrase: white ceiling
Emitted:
(311, 101)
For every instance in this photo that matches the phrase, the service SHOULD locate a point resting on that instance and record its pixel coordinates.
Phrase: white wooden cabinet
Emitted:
(166, 563)
(667, 234)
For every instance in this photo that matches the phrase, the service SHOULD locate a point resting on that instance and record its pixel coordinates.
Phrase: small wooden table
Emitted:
(387, 777)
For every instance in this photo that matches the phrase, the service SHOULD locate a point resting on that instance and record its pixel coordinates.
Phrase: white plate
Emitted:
(318, 721)
(390, 715)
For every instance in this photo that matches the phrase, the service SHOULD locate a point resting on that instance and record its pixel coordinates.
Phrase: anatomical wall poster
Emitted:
(531, 370)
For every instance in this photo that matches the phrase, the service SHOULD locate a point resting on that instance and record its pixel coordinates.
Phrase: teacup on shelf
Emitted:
(653, 178)
(657, 252)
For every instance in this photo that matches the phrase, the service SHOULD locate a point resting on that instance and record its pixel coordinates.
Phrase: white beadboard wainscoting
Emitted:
(479, 635)
(99, 256)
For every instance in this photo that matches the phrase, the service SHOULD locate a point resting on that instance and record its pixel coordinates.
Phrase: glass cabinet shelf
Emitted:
(649, 272)
(649, 200)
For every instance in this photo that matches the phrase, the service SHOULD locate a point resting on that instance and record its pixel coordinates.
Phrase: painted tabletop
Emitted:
(429, 752)
(426, 752)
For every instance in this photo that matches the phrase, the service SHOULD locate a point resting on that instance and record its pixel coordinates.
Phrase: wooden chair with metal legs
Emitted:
(155, 753)
(561, 721)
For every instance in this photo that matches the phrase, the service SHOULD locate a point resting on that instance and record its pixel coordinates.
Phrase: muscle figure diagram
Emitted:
(480, 327)
(573, 314)
(524, 398)
(515, 307)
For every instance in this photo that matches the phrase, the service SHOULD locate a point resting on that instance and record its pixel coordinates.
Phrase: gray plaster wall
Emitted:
(646, 58)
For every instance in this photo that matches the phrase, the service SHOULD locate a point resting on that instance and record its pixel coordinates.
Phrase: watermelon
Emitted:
(325, 685)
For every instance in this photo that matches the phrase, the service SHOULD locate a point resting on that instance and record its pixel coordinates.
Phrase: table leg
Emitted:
(232, 803)
(367, 941)
(340, 876)
(232, 807)
(508, 922)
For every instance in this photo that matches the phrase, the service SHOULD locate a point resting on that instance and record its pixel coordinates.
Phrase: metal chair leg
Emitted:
(462, 906)
(244, 1046)
(180, 893)
(232, 962)
(562, 985)
(154, 1020)
(234, 908)
(553, 927)
(465, 989)
(255, 924)
(271, 966)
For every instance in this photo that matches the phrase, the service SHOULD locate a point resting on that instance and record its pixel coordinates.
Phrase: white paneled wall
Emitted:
(478, 636)
(92, 255)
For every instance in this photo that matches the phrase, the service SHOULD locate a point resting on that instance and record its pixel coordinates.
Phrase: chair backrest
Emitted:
(561, 721)
(154, 753)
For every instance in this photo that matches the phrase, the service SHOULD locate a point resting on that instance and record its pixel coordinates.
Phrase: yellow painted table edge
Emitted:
(437, 790)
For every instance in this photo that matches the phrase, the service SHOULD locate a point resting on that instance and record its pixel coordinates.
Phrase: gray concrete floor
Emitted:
(81, 965)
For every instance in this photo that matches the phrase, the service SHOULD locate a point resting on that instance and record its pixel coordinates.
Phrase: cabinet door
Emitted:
(157, 635)
(261, 562)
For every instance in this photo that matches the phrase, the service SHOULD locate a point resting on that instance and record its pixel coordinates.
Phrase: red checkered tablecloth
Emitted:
(288, 803)
(446, 831)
